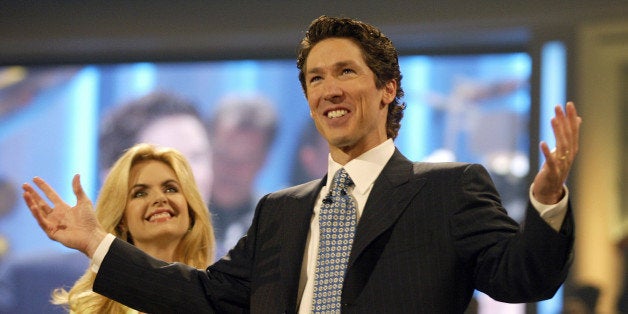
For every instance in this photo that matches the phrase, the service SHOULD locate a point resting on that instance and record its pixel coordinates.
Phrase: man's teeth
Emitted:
(336, 113)
(159, 216)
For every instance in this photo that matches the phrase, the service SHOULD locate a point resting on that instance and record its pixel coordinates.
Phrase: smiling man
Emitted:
(427, 235)
(347, 107)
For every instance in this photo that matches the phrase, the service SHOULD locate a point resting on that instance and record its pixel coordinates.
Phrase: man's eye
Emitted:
(347, 71)
(314, 79)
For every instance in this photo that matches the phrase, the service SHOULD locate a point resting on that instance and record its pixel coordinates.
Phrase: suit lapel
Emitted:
(297, 216)
(392, 191)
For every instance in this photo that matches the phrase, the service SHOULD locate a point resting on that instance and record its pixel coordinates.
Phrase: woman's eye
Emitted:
(139, 194)
(171, 189)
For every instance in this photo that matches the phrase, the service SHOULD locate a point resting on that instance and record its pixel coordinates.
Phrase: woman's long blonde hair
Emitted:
(195, 249)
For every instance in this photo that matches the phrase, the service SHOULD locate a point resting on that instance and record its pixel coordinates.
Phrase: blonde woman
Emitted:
(149, 199)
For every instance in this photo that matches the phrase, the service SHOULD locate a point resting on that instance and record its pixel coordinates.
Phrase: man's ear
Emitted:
(390, 92)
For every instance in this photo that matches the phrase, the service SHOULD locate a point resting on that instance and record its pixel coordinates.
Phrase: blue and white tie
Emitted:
(337, 227)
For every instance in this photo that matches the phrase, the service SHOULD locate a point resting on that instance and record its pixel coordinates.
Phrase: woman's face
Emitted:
(186, 134)
(157, 212)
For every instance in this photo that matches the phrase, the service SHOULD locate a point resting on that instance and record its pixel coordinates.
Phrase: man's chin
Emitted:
(342, 142)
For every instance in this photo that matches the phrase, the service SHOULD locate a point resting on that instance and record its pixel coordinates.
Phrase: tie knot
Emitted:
(342, 180)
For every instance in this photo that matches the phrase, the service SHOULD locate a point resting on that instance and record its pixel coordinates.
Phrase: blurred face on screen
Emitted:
(314, 158)
(187, 135)
(239, 154)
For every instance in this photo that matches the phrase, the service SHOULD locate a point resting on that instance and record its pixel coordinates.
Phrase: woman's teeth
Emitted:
(163, 215)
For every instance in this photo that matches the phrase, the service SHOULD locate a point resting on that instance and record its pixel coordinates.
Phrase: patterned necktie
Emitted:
(337, 226)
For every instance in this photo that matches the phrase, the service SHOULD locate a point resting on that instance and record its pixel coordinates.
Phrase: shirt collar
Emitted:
(365, 168)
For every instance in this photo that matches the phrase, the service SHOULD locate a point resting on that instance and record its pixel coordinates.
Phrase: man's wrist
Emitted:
(550, 198)
(94, 242)
(101, 251)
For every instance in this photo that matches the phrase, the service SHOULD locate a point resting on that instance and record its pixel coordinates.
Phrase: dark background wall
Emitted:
(103, 31)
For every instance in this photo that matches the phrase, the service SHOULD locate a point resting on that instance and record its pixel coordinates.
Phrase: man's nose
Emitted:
(331, 90)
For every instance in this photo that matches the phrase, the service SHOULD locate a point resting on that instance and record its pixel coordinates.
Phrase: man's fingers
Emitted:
(48, 191)
(33, 200)
(36, 210)
(566, 126)
(78, 189)
(28, 198)
(574, 124)
(561, 133)
(549, 155)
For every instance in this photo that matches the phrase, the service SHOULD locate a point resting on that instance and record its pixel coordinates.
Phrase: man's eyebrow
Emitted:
(342, 64)
(339, 64)
(313, 71)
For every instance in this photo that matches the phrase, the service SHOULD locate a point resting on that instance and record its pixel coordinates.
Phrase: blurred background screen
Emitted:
(54, 121)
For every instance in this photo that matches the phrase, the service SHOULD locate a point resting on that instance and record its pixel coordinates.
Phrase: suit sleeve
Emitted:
(510, 263)
(132, 277)
(139, 281)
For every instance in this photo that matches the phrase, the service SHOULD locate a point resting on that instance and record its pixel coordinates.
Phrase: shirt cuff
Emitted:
(553, 214)
(101, 251)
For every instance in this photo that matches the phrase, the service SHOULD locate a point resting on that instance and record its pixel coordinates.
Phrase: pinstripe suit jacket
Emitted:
(429, 235)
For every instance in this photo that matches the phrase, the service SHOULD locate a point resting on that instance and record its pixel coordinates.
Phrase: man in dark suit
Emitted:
(428, 234)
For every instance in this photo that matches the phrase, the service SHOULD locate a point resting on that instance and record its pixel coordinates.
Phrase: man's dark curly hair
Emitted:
(379, 54)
